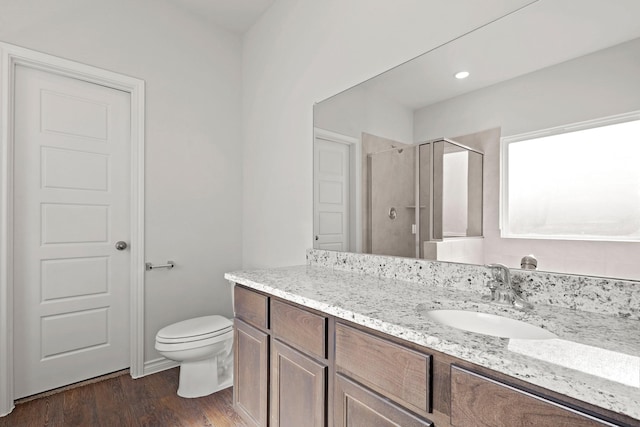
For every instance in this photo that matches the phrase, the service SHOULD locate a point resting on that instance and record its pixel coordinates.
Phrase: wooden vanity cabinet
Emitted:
(281, 362)
(298, 367)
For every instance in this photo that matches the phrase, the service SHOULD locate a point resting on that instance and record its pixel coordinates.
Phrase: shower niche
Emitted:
(425, 201)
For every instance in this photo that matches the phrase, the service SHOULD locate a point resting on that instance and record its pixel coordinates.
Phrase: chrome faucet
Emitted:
(502, 290)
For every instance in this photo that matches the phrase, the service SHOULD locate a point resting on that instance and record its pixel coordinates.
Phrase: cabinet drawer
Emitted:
(251, 307)
(300, 328)
(389, 369)
(480, 401)
(357, 406)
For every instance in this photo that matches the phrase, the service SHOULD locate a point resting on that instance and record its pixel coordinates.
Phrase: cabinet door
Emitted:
(356, 406)
(250, 379)
(298, 388)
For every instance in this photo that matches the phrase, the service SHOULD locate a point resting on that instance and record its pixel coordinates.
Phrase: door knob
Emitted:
(121, 245)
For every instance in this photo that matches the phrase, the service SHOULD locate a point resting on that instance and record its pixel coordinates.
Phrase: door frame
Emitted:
(355, 184)
(10, 56)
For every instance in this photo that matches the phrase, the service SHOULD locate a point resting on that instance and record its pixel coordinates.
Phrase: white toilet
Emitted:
(203, 346)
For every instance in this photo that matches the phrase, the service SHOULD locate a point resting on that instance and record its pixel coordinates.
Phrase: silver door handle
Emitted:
(121, 245)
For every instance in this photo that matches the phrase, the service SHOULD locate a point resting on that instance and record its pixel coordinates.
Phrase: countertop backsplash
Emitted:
(592, 294)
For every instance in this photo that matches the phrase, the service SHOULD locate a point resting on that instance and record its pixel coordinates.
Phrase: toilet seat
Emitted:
(193, 330)
(202, 344)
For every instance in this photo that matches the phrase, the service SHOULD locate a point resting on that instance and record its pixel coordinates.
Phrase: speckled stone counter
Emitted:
(396, 307)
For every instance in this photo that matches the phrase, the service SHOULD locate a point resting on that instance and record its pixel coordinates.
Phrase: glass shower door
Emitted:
(450, 189)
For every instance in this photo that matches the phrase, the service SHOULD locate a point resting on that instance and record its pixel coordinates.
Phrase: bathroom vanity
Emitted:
(318, 346)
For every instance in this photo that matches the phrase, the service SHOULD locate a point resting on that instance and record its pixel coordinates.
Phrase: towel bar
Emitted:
(148, 266)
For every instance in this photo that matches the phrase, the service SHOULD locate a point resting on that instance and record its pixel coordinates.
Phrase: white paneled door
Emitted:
(331, 195)
(71, 206)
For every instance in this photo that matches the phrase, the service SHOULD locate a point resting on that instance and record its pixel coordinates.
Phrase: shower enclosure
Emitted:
(423, 196)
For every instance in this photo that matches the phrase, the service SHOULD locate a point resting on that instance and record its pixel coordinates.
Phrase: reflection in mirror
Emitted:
(421, 195)
(456, 189)
(392, 201)
(539, 68)
(598, 201)
(424, 199)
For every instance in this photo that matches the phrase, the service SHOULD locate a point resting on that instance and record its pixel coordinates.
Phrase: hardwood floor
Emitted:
(122, 401)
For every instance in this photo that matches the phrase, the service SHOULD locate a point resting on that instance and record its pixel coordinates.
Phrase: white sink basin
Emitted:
(489, 324)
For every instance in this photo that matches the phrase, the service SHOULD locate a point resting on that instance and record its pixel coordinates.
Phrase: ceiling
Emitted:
(236, 16)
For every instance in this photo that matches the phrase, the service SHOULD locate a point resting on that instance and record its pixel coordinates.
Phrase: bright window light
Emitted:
(579, 184)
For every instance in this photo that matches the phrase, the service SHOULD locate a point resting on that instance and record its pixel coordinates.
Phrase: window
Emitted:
(577, 182)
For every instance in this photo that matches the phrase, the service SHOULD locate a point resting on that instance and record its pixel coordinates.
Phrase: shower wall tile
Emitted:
(371, 144)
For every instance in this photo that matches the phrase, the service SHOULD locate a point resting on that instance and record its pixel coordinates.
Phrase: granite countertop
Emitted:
(396, 307)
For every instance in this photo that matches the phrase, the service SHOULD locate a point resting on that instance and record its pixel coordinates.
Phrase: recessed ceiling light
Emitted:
(462, 75)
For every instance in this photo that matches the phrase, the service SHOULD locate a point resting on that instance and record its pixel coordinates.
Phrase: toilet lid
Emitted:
(195, 329)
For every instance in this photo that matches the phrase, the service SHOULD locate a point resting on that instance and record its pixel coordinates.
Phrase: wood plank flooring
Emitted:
(122, 401)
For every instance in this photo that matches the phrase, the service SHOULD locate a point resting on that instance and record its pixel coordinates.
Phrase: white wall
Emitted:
(301, 52)
(361, 109)
(193, 134)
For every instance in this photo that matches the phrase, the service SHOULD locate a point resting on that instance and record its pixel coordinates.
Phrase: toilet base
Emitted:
(202, 378)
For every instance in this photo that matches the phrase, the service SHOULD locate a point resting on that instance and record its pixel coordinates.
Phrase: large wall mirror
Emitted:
(554, 67)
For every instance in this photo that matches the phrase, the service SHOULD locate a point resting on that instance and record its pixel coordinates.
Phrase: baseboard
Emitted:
(71, 386)
(10, 409)
(158, 365)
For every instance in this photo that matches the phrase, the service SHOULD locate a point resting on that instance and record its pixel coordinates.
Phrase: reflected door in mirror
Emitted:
(331, 195)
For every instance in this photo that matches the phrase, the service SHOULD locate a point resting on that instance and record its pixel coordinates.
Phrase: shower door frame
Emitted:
(430, 207)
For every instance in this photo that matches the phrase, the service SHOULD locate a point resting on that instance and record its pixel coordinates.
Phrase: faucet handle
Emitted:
(501, 272)
(521, 303)
(493, 286)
